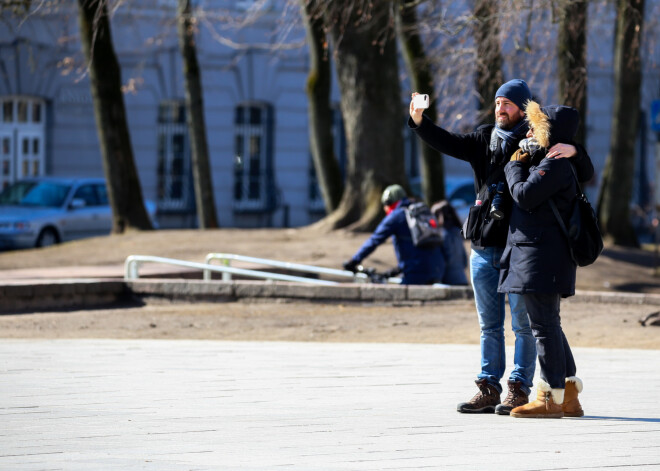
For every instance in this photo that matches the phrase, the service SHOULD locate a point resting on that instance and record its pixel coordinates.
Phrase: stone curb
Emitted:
(61, 295)
(349, 292)
(95, 293)
(615, 298)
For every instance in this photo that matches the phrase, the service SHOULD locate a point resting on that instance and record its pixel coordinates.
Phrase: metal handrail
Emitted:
(133, 263)
(226, 259)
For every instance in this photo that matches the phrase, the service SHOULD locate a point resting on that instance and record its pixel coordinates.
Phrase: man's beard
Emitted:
(504, 123)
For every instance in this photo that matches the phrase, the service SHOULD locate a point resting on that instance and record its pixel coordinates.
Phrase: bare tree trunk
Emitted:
(421, 78)
(124, 191)
(616, 189)
(320, 112)
(489, 75)
(203, 182)
(367, 70)
(572, 61)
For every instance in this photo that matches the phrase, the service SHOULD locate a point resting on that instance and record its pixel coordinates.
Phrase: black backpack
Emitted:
(585, 241)
(424, 228)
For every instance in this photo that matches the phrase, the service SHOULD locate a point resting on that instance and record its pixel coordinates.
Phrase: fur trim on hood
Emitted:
(552, 124)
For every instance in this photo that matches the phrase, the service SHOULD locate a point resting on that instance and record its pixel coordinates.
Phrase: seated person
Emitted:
(452, 244)
(420, 266)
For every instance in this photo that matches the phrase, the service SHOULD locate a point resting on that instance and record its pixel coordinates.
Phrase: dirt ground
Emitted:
(587, 325)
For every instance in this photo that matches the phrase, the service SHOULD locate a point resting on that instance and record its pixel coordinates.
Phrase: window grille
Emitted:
(22, 138)
(175, 188)
(254, 185)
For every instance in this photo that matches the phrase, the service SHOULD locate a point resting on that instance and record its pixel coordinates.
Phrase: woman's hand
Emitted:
(560, 151)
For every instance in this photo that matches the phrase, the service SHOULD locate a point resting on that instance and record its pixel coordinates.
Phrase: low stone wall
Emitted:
(350, 292)
(92, 293)
(61, 295)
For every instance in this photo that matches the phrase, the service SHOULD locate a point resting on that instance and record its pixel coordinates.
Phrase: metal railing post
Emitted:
(226, 276)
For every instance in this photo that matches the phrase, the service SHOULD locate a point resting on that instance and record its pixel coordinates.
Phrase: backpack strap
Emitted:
(563, 227)
(577, 181)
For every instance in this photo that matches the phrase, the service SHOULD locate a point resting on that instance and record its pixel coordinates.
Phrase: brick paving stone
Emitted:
(209, 405)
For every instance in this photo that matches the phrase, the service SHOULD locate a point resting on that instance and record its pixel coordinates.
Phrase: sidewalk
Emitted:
(210, 405)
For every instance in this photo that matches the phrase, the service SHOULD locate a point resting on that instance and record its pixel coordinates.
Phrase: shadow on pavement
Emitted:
(619, 419)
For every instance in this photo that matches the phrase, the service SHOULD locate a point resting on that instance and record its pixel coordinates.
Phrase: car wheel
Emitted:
(47, 238)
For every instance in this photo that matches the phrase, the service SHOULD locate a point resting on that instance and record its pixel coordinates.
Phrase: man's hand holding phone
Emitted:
(418, 104)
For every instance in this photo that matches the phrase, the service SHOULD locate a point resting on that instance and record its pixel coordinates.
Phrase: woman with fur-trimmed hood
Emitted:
(536, 262)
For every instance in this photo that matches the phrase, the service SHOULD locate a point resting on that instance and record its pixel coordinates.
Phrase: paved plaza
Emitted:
(213, 405)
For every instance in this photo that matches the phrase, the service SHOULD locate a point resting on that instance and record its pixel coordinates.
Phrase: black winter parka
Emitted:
(537, 256)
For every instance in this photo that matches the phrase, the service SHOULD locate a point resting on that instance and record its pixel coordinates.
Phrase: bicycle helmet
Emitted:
(392, 194)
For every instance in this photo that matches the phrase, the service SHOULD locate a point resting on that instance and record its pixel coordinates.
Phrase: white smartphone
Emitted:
(421, 101)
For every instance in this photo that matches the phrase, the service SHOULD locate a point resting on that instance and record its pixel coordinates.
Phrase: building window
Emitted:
(36, 112)
(254, 182)
(22, 111)
(175, 191)
(7, 110)
(22, 138)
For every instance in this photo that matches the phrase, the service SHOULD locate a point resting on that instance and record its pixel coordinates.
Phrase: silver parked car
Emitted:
(42, 211)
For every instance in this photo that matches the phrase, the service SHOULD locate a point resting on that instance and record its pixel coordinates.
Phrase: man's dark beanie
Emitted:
(515, 90)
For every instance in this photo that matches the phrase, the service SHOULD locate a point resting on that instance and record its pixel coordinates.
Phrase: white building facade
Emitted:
(255, 110)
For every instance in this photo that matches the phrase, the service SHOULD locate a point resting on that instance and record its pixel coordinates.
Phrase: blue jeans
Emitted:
(485, 275)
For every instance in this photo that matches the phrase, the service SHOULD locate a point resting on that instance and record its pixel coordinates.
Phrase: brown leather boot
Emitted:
(546, 406)
(484, 401)
(515, 398)
(571, 406)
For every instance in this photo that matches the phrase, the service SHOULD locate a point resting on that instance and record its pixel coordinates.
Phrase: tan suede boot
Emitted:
(571, 406)
(546, 406)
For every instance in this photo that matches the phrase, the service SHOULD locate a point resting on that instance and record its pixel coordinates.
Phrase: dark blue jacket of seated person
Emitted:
(537, 257)
(420, 266)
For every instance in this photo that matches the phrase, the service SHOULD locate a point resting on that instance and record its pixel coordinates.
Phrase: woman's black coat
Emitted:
(537, 258)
